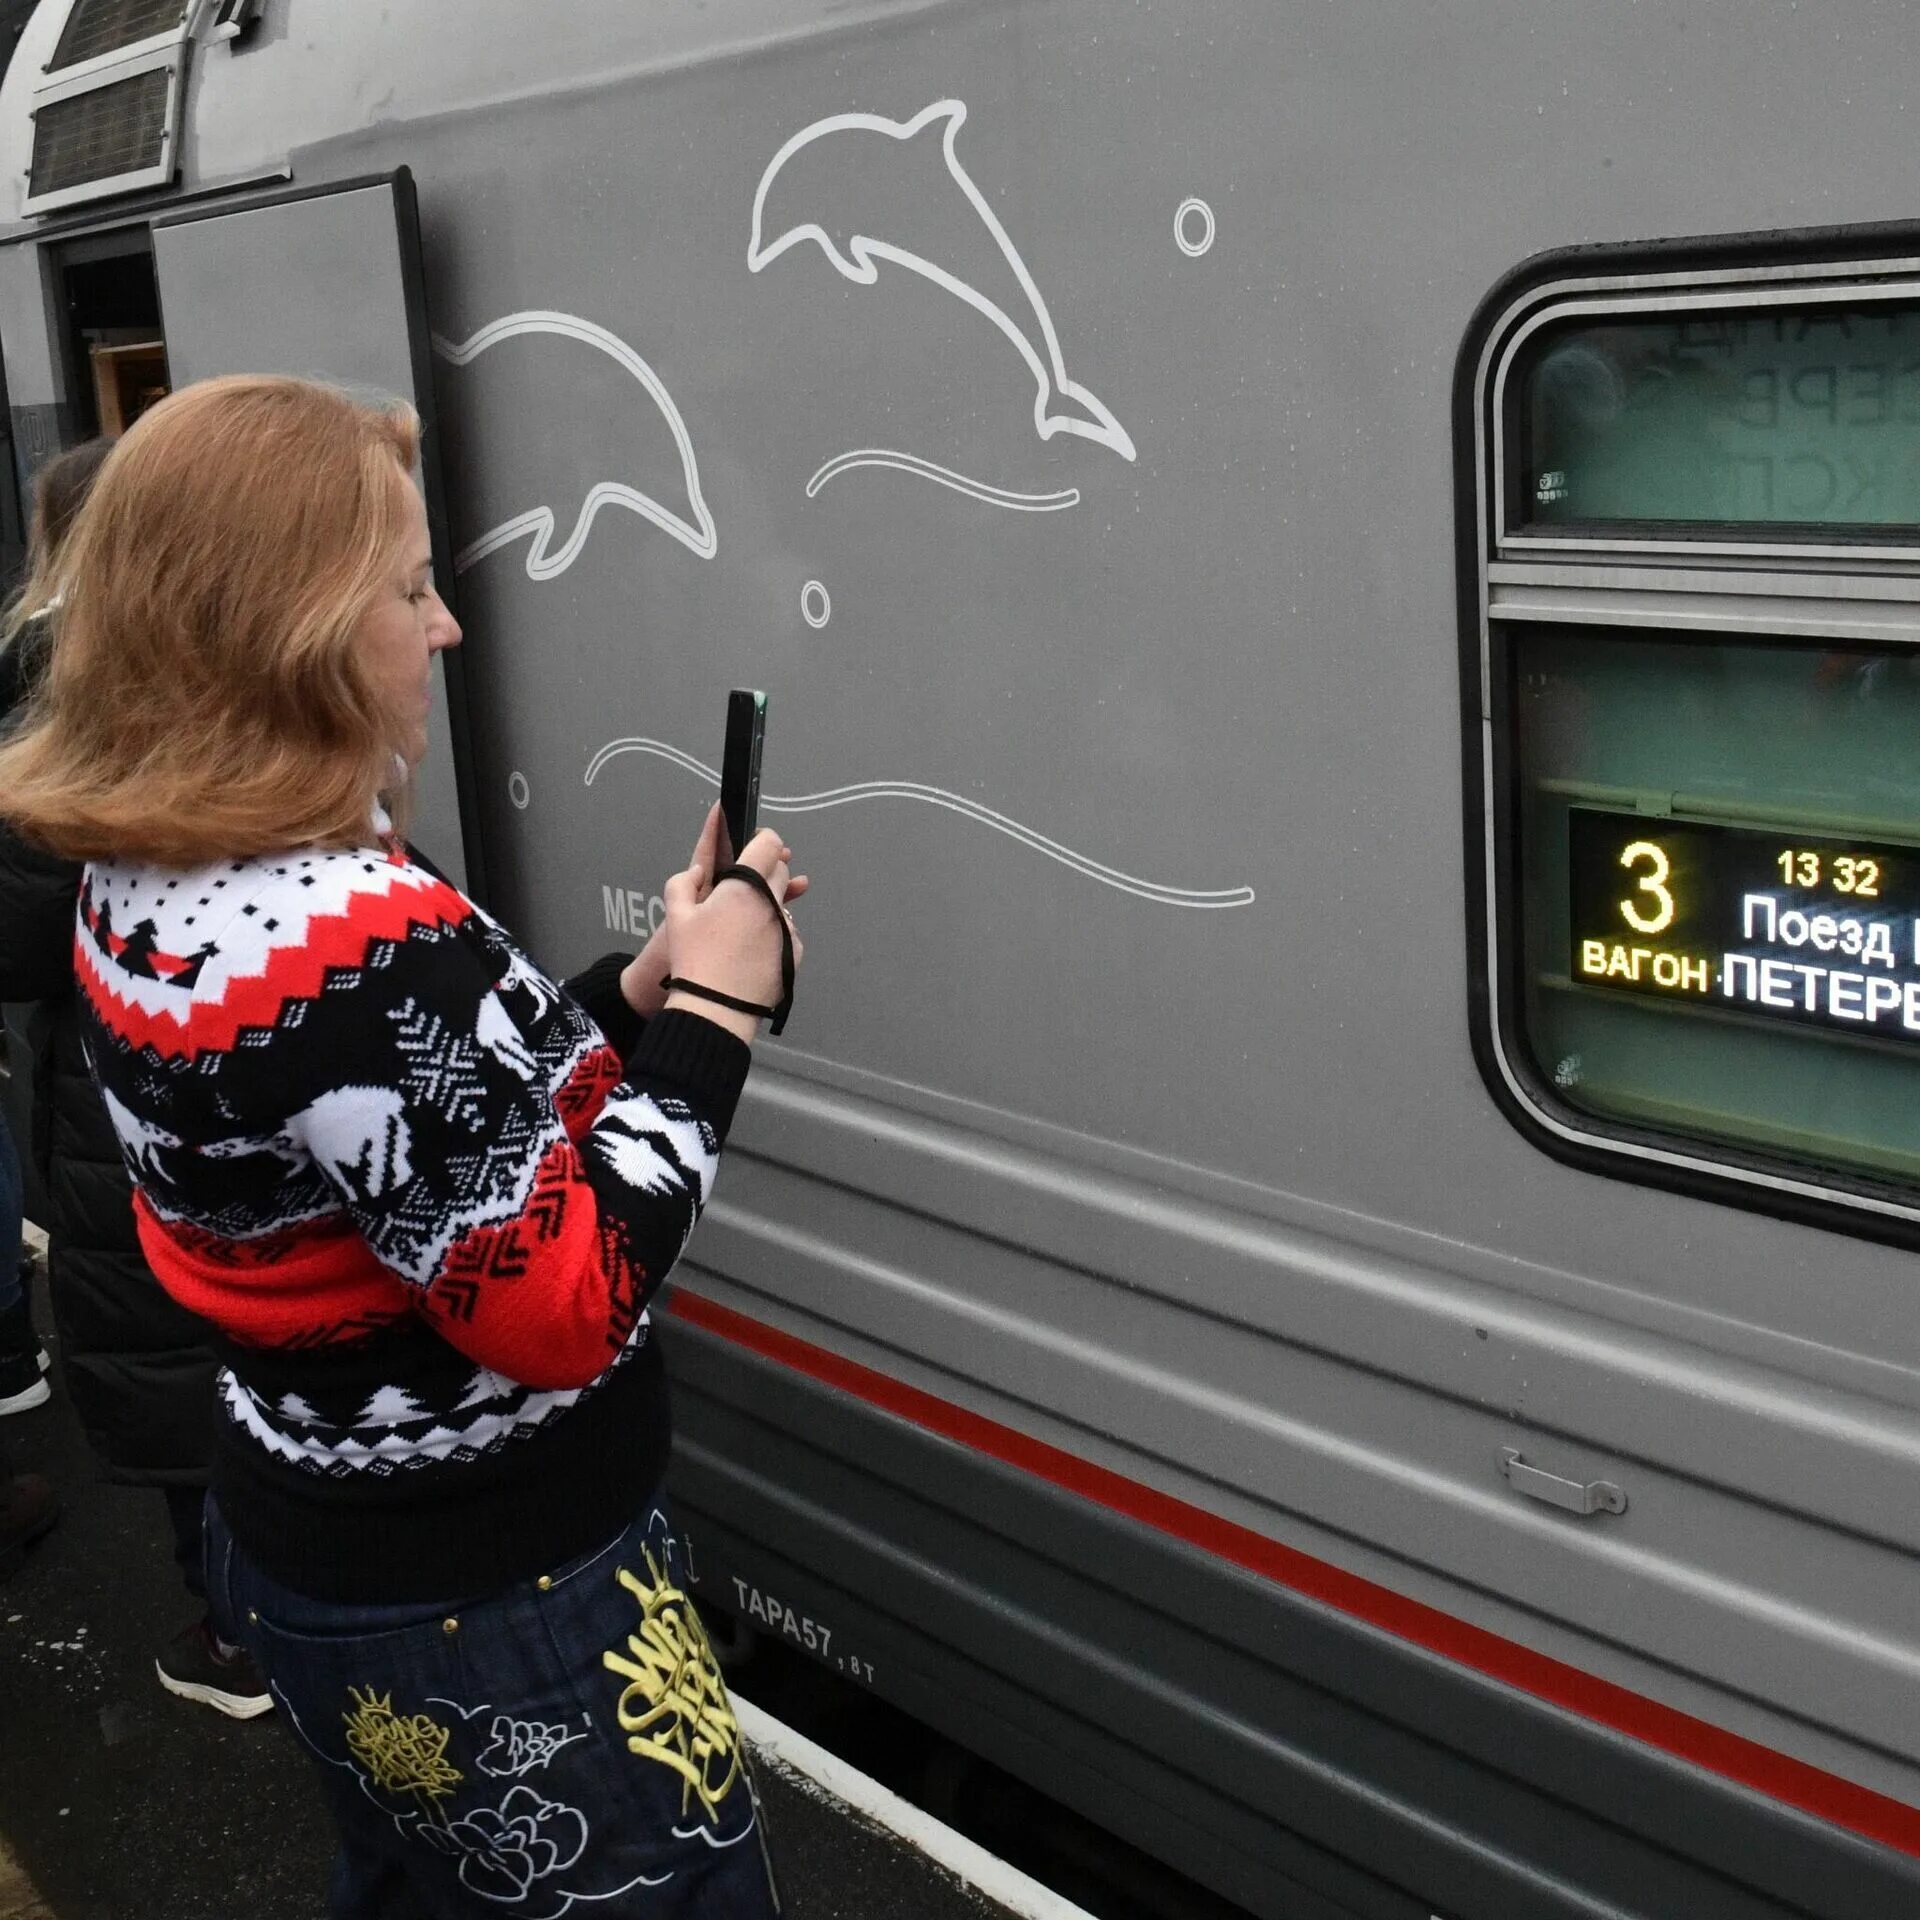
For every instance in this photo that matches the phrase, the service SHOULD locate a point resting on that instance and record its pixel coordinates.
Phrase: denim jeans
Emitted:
(565, 1742)
(12, 1194)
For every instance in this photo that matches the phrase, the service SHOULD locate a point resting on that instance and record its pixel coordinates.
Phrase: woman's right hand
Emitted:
(724, 937)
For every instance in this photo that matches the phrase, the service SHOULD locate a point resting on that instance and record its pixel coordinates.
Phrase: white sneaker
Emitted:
(23, 1384)
(198, 1665)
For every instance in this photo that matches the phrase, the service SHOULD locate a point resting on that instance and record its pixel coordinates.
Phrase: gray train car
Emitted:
(1326, 1267)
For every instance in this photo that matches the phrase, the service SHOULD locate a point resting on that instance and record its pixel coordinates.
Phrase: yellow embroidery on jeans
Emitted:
(674, 1707)
(400, 1755)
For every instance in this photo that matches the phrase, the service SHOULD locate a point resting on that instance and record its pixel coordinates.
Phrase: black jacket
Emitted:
(136, 1369)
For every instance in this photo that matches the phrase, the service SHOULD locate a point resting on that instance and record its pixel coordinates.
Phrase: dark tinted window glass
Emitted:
(1794, 417)
(1719, 889)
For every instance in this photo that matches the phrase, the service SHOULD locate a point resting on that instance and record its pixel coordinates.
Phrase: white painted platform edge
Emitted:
(986, 1873)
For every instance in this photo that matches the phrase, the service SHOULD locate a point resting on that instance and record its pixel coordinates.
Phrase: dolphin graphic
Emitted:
(1060, 405)
(543, 562)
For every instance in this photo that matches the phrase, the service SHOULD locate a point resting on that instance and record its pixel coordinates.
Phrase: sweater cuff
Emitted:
(696, 1057)
(597, 991)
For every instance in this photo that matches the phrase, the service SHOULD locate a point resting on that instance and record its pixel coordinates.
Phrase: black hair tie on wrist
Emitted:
(776, 1016)
(674, 984)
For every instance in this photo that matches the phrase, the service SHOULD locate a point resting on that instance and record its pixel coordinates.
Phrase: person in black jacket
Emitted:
(28, 1505)
(135, 1364)
(23, 1361)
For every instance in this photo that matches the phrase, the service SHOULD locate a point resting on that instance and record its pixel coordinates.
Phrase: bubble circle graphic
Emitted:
(816, 604)
(1193, 214)
(518, 791)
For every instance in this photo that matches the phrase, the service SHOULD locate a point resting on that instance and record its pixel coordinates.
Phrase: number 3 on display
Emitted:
(1653, 883)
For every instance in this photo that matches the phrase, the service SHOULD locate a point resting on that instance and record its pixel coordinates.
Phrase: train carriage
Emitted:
(1325, 1269)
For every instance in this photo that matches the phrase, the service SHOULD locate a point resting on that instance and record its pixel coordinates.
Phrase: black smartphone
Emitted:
(740, 771)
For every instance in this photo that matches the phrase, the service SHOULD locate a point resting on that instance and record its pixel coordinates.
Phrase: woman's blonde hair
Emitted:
(205, 698)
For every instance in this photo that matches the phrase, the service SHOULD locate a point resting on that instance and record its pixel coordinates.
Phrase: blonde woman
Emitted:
(420, 1194)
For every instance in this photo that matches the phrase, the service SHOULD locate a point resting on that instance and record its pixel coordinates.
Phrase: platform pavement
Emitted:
(119, 1802)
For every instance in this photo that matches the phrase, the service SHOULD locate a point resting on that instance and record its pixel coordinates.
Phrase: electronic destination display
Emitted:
(1797, 416)
(1788, 925)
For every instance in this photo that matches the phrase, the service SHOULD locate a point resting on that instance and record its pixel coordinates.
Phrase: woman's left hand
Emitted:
(641, 978)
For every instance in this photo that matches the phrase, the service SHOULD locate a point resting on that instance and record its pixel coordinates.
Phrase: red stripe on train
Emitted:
(1699, 1742)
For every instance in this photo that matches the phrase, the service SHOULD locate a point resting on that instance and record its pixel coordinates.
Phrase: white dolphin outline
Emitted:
(699, 535)
(1050, 374)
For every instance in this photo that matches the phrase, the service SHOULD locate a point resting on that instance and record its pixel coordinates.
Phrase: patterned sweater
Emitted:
(419, 1196)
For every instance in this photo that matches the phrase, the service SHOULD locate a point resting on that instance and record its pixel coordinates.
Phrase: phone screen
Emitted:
(740, 771)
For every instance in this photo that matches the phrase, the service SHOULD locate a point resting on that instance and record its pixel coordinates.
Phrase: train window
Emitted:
(1718, 853)
(1785, 417)
(1692, 642)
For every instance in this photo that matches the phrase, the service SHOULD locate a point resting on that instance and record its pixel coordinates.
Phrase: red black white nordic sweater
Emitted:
(419, 1196)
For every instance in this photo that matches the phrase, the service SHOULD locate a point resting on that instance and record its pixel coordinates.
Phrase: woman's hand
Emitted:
(724, 937)
(640, 983)
(640, 979)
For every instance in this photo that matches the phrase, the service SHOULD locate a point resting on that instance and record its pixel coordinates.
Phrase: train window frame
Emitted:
(1775, 582)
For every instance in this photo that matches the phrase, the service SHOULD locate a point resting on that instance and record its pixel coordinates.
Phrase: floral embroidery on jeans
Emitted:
(507, 1854)
(503, 1850)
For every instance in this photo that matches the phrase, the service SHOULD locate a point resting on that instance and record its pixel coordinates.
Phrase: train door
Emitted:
(328, 284)
(116, 358)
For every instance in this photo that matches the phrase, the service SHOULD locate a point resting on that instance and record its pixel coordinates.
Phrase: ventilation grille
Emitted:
(101, 135)
(95, 27)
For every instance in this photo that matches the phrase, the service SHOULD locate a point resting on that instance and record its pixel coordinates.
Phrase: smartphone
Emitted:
(740, 771)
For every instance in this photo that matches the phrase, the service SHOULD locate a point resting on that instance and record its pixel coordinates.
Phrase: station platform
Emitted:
(120, 1802)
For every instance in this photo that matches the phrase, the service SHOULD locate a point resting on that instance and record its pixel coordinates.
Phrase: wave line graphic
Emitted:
(699, 535)
(943, 476)
(1091, 869)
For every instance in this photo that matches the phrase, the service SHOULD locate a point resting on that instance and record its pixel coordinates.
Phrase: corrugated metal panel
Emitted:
(95, 27)
(113, 130)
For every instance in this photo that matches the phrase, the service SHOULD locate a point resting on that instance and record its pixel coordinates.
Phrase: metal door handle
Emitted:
(1575, 1496)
